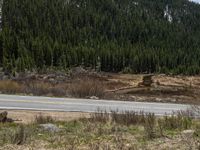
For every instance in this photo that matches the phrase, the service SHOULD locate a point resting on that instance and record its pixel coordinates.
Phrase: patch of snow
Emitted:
(135, 3)
(167, 14)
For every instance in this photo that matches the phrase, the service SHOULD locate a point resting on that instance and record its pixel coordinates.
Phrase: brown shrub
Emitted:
(58, 91)
(37, 88)
(85, 88)
(40, 119)
(127, 118)
(20, 136)
(150, 126)
(32, 87)
(173, 122)
(100, 116)
(10, 87)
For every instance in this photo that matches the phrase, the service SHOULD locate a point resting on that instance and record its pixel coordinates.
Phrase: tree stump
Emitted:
(147, 81)
(3, 116)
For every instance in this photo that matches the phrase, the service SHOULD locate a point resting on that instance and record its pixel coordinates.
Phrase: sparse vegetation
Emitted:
(94, 85)
(86, 87)
(176, 122)
(33, 88)
(81, 88)
(104, 130)
(40, 119)
(150, 126)
(10, 87)
(20, 135)
(128, 118)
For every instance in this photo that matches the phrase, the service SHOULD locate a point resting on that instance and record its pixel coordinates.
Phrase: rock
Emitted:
(50, 127)
(94, 97)
(173, 100)
(188, 133)
(158, 100)
(78, 70)
(133, 97)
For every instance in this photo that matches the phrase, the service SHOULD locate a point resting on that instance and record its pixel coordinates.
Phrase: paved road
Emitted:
(83, 105)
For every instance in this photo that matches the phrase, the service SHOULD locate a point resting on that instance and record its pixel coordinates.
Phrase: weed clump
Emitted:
(40, 119)
(10, 87)
(127, 118)
(150, 126)
(100, 116)
(87, 88)
(176, 122)
(20, 136)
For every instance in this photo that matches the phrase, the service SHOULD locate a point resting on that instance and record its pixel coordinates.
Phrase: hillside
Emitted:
(139, 36)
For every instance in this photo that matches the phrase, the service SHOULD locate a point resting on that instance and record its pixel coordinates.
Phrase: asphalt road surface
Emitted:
(13, 102)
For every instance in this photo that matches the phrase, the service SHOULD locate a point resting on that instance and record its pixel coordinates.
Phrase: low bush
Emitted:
(36, 88)
(127, 118)
(85, 88)
(40, 119)
(150, 126)
(100, 116)
(173, 122)
(20, 136)
(10, 87)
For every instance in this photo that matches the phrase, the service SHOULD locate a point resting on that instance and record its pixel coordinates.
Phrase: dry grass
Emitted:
(99, 132)
(10, 87)
(176, 122)
(100, 116)
(150, 126)
(175, 89)
(34, 88)
(20, 135)
(41, 119)
(128, 118)
(81, 88)
(37, 88)
(15, 134)
(84, 88)
(43, 88)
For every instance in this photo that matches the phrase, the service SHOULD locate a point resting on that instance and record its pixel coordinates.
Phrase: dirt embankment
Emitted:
(162, 88)
(89, 84)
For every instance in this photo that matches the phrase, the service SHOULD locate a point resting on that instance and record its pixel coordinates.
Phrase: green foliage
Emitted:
(108, 35)
(176, 122)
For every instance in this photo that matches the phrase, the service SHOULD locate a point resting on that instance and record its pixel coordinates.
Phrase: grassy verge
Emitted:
(117, 131)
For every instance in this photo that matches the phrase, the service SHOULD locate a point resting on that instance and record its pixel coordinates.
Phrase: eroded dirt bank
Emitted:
(88, 84)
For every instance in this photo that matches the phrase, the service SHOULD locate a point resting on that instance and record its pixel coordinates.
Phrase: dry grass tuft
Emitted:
(85, 88)
(150, 126)
(40, 119)
(20, 136)
(128, 117)
(10, 87)
(176, 122)
(38, 89)
(100, 116)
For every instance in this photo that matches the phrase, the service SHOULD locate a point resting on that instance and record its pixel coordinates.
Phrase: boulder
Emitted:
(188, 133)
(94, 97)
(50, 127)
